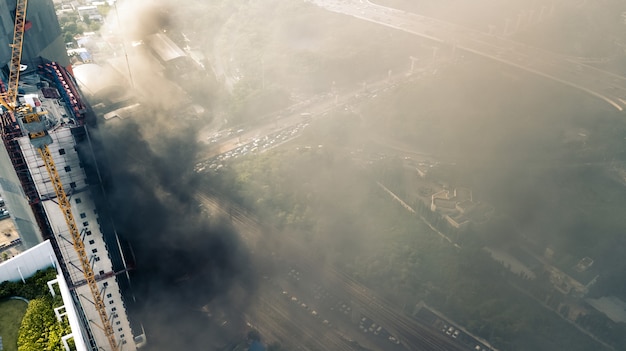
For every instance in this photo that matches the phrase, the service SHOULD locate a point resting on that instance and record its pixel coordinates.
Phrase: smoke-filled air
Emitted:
(368, 175)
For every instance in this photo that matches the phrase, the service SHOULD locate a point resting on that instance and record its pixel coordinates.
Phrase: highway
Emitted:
(412, 334)
(286, 120)
(604, 85)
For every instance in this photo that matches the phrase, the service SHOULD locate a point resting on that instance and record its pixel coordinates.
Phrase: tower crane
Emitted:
(38, 134)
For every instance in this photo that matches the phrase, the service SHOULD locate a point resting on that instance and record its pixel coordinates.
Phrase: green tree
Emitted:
(40, 329)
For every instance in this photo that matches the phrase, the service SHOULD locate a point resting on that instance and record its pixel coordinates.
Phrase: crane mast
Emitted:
(40, 139)
(16, 51)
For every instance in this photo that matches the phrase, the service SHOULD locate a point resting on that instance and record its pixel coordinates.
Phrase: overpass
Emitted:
(604, 85)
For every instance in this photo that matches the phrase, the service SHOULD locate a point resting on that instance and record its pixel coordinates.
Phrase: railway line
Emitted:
(412, 334)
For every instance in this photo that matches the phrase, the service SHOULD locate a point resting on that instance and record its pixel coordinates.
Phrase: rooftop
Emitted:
(37, 258)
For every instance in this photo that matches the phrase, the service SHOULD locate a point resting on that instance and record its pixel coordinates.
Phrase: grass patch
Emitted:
(11, 314)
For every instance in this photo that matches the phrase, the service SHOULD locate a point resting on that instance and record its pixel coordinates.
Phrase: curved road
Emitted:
(604, 85)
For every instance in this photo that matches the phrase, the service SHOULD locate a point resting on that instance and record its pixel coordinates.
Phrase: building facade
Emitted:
(30, 200)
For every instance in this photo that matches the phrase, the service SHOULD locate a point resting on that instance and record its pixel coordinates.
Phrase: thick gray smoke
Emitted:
(514, 138)
(184, 259)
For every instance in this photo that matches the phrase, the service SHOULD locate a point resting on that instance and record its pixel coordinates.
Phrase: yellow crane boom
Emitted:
(41, 139)
(9, 98)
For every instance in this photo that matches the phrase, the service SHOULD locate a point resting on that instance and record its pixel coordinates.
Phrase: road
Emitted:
(317, 107)
(604, 85)
(412, 334)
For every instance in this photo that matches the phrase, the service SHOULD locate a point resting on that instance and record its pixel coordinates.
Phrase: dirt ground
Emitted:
(8, 233)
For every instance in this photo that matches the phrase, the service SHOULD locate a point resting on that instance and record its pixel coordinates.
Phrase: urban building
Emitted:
(89, 255)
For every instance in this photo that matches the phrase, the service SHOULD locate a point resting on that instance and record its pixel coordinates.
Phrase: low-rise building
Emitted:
(40, 257)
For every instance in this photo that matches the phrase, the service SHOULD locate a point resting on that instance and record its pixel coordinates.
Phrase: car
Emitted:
(394, 340)
(455, 334)
(449, 331)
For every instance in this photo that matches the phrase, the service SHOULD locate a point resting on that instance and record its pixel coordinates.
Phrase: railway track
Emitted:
(412, 334)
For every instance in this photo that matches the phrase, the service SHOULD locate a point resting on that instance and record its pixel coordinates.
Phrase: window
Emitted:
(94, 250)
(78, 200)
(121, 336)
(97, 259)
(61, 151)
(110, 302)
(123, 342)
(73, 185)
(105, 284)
(85, 224)
(101, 272)
(119, 329)
(113, 310)
(118, 323)
(88, 232)
(91, 242)
(83, 215)
(109, 296)
(68, 168)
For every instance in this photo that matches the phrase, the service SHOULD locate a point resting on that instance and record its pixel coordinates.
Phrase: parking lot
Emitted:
(8, 237)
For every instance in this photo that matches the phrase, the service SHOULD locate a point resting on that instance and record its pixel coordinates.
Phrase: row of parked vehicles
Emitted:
(4, 213)
(454, 333)
(450, 331)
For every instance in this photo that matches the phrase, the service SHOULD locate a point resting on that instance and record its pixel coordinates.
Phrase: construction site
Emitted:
(51, 188)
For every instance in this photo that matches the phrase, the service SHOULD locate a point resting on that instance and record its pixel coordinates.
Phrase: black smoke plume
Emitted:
(185, 260)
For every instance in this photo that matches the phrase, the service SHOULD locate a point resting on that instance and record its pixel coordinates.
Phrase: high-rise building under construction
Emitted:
(87, 251)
